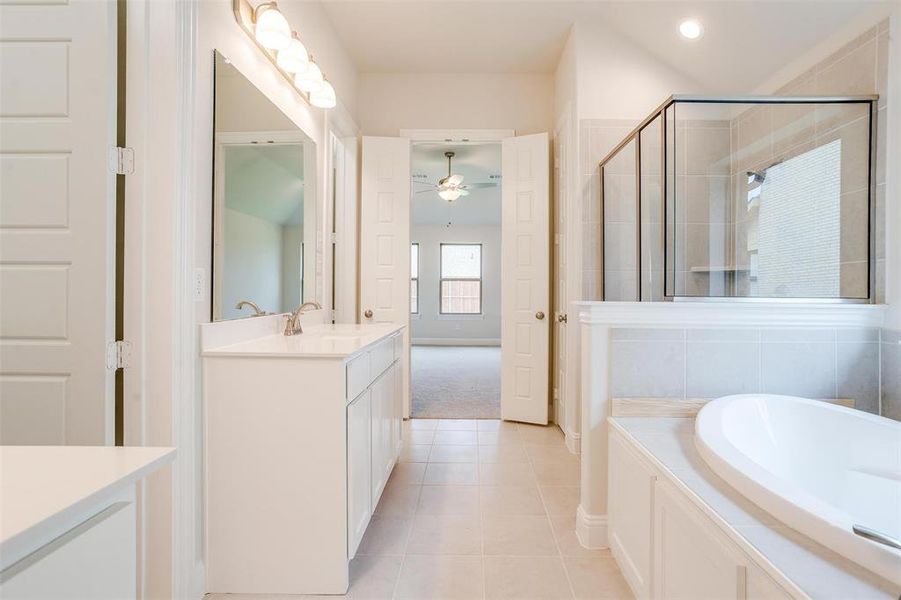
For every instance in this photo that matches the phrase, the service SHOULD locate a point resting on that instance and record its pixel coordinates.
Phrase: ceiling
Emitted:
(477, 162)
(744, 41)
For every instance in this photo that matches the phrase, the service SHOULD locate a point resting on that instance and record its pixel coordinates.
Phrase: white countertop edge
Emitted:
(762, 314)
(731, 532)
(37, 534)
(238, 350)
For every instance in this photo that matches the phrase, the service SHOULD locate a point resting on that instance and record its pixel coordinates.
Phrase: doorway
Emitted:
(455, 280)
(385, 256)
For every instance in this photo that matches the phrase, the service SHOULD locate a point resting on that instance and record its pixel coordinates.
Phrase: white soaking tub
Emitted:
(820, 468)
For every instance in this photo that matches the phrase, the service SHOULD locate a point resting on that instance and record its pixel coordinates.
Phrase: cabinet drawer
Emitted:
(359, 374)
(381, 357)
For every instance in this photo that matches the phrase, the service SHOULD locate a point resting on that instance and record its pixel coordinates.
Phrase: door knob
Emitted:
(539, 315)
(368, 314)
(562, 318)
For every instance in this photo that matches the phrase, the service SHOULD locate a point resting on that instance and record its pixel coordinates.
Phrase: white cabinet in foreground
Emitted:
(301, 436)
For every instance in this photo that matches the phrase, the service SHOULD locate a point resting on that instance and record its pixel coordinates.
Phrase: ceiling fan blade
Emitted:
(424, 191)
(490, 184)
(463, 192)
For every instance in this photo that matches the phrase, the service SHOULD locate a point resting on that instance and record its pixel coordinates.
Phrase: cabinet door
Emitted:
(379, 438)
(691, 560)
(631, 514)
(359, 508)
(398, 408)
(762, 587)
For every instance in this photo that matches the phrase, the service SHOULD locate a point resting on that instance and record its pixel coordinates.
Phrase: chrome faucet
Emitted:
(257, 312)
(292, 325)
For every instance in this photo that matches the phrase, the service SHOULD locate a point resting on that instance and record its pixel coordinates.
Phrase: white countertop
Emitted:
(319, 341)
(42, 488)
(816, 570)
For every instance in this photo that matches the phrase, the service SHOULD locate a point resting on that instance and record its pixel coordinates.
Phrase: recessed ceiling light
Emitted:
(691, 29)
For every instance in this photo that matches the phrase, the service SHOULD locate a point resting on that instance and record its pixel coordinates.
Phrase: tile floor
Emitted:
(480, 509)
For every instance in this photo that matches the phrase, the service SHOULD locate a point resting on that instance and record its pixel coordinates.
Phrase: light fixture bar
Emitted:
(245, 14)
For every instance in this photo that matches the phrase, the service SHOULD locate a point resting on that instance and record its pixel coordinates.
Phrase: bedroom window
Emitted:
(461, 279)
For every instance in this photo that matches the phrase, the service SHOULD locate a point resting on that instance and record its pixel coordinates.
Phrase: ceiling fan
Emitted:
(451, 187)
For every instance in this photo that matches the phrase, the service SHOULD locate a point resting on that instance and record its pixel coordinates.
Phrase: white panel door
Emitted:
(385, 240)
(57, 203)
(561, 296)
(525, 297)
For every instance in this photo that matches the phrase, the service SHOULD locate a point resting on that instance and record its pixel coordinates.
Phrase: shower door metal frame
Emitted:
(660, 111)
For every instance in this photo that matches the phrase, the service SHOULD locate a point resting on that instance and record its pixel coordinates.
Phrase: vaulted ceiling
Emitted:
(744, 41)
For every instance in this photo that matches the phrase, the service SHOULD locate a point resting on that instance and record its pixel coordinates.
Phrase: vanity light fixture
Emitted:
(271, 28)
(310, 79)
(294, 58)
(691, 29)
(265, 24)
(325, 97)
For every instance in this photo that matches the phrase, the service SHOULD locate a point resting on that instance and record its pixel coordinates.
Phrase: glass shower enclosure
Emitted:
(742, 198)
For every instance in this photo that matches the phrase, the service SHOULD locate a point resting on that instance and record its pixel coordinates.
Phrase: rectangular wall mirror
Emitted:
(265, 250)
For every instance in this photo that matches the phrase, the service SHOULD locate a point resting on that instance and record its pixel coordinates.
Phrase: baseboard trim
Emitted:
(591, 530)
(456, 342)
(573, 441)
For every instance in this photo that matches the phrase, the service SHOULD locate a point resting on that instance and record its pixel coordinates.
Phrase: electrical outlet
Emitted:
(199, 284)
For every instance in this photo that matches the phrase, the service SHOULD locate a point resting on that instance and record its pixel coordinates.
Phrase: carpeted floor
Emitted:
(456, 382)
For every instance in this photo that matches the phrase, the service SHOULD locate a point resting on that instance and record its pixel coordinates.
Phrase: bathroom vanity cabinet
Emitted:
(301, 435)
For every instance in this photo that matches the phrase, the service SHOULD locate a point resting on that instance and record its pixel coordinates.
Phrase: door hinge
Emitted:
(122, 161)
(333, 238)
(118, 355)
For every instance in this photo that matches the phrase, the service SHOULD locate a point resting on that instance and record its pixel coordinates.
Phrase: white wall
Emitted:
(394, 101)
(292, 242)
(430, 326)
(618, 79)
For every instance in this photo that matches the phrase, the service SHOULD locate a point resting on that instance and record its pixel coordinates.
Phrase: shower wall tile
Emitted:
(798, 369)
(890, 350)
(857, 374)
(866, 334)
(648, 369)
(716, 369)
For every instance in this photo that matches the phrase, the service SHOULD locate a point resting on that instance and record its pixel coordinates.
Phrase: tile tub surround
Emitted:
(709, 363)
(890, 355)
(480, 509)
(666, 330)
(816, 570)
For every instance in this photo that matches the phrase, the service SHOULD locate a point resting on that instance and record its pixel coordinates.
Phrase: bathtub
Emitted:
(817, 467)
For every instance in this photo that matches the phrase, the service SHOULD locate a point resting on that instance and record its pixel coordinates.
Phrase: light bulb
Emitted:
(324, 97)
(272, 30)
(294, 58)
(310, 79)
(450, 194)
(690, 29)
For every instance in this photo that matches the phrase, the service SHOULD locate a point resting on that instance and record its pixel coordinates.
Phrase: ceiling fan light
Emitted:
(272, 30)
(310, 79)
(294, 58)
(449, 194)
(324, 97)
